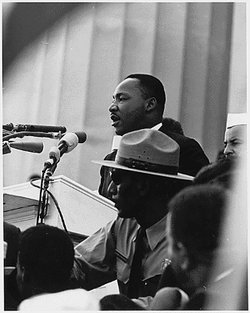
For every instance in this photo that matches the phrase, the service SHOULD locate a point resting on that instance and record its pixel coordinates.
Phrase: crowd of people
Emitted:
(171, 206)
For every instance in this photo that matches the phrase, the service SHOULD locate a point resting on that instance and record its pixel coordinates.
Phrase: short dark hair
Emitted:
(151, 87)
(172, 125)
(221, 172)
(47, 254)
(197, 214)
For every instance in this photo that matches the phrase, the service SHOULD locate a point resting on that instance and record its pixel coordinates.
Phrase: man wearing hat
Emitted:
(132, 249)
(138, 103)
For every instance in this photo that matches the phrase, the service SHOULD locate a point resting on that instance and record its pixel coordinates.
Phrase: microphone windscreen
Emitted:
(82, 136)
(70, 140)
(36, 147)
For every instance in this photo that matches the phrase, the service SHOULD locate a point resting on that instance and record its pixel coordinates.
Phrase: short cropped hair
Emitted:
(151, 87)
(221, 172)
(197, 214)
(47, 254)
(172, 125)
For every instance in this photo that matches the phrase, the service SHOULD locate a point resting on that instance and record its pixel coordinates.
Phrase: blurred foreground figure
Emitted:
(116, 302)
(11, 237)
(194, 224)
(68, 300)
(197, 220)
(45, 262)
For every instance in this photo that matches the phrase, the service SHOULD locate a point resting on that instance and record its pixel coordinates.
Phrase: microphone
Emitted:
(66, 144)
(34, 128)
(36, 147)
(54, 157)
(82, 136)
(70, 140)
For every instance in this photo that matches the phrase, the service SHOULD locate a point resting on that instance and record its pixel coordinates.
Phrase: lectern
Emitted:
(84, 211)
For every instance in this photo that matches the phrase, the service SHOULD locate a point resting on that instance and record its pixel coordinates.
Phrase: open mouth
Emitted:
(115, 119)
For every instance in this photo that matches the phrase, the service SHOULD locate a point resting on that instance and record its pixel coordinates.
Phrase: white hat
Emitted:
(236, 119)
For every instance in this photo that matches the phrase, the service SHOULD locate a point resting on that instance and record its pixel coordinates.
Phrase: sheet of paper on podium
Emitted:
(84, 210)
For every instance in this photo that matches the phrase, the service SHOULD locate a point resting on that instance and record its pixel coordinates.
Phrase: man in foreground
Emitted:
(132, 248)
(44, 266)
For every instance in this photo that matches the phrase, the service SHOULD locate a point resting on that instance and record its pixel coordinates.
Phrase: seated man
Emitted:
(45, 262)
(132, 248)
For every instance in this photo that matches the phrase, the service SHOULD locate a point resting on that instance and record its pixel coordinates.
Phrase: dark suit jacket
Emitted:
(192, 159)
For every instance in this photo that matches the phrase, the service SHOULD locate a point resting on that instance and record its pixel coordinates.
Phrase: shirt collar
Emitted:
(156, 232)
(157, 127)
(116, 142)
(117, 139)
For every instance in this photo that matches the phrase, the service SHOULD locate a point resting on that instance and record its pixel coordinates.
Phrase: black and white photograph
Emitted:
(124, 168)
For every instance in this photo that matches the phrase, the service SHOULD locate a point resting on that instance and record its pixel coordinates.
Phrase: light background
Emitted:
(67, 74)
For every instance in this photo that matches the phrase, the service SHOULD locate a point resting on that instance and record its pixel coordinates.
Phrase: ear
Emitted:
(183, 256)
(151, 104)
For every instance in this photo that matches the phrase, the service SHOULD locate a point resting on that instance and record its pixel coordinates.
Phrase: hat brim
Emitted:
(113, 164)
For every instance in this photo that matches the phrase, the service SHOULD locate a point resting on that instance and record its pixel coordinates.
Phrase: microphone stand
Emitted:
(47, 172)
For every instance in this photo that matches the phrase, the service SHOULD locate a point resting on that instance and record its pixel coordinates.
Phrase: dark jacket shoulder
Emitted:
(192, 156)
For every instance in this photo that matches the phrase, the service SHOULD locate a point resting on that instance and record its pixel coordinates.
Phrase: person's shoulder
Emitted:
(180, 138)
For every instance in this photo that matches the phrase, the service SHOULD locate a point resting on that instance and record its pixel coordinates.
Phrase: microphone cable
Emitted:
(52, 197)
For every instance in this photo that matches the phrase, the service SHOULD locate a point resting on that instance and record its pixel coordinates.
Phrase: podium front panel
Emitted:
(84, 211)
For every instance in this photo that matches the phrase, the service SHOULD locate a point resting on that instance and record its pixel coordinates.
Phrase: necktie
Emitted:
(135, 278)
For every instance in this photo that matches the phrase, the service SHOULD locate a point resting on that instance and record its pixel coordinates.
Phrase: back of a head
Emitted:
(152, 87)
(221, 172)
(172, 125)
(47, 255)
(197, 214)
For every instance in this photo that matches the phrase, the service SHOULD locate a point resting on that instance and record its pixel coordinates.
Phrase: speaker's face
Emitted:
(128, 108)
